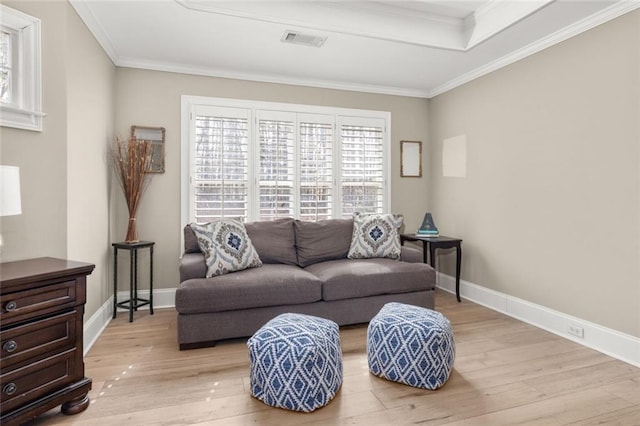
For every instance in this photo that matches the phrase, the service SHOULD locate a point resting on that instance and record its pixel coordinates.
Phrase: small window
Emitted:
(20, 70)
(5, 67)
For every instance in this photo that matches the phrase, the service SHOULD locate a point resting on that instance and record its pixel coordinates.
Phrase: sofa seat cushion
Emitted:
(269, 285)
(346, 279)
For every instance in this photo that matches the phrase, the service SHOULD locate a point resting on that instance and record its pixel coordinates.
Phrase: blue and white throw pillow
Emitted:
(375, 235)
(226, 246)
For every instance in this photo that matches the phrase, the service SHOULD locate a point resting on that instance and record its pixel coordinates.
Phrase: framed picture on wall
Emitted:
(155, 135)
(411, 159)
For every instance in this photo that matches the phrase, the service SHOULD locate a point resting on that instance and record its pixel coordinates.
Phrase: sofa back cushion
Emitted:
(190, 241)
(274, 240)
(323, 240)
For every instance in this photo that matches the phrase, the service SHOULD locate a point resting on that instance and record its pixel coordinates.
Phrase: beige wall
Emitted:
(91, 80)
(64, 176)
(550, 208)
(150, 98)
(41, 229)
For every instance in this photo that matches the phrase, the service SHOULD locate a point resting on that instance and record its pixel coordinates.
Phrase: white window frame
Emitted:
(189, 104)
(25, 109)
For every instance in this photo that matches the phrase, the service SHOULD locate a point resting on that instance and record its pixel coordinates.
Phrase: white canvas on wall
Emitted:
(454, 156)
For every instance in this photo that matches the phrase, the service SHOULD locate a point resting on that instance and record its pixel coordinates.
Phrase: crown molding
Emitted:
(83, 9)
(276, 79)
(606, 15)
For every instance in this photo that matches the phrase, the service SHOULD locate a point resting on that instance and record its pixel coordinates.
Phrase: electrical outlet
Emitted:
(575, 330)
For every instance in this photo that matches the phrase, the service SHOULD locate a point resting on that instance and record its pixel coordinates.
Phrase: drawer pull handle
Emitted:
(11, 306)
(10, 346)
(10, 388)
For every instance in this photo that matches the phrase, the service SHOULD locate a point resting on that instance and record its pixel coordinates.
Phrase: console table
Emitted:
(42, 304)
(429, 246)
(134, 301)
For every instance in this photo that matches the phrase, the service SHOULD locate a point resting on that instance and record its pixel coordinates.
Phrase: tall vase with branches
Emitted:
(131, 160)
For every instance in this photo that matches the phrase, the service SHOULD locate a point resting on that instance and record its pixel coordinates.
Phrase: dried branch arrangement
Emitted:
(131, 160)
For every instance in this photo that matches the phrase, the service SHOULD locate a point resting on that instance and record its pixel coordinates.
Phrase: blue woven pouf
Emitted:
(296, 362)
(411, 345)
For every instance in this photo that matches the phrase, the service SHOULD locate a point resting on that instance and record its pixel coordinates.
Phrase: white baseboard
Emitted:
(606, 340)
(93, 328)
(163, 298)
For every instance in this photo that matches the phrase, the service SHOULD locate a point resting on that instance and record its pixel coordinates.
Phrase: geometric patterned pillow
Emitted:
(226, 246)
(375, 235)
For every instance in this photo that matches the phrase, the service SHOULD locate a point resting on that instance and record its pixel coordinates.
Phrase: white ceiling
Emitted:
(413, 48)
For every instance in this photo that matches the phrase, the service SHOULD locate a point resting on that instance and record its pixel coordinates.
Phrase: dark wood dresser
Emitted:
(41, 309)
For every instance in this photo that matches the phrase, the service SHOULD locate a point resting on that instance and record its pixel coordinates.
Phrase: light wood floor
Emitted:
(505, 372)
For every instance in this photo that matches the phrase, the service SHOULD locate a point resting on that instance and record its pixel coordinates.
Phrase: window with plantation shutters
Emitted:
(220, 178)
(362, 157)
(276, 190)
(263, 161)
(316, 170)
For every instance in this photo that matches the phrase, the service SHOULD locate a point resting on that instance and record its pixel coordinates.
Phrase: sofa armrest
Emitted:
(411, 255)
(192, 265)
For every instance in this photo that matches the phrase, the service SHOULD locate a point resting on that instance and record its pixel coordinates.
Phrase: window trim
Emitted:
(188, 107)
(25, 112)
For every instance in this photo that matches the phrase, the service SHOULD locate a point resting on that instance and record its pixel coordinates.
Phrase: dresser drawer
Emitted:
(35, 339)
(32, 302)
(33, 381)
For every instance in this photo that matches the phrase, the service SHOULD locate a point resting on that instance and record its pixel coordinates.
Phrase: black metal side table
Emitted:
(430, 244)
(134, 301)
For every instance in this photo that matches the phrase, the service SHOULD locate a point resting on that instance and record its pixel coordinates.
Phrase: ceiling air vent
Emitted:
(304, 39)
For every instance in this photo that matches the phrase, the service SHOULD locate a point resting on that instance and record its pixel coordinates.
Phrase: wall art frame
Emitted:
(410, 159)
(155, 135)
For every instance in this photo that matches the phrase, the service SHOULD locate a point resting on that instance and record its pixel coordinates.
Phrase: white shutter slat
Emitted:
(362, 185)
(316, 170)
(277, 167)
(221, 168)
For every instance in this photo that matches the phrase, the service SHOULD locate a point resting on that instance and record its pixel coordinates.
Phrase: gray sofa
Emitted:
(305, 270)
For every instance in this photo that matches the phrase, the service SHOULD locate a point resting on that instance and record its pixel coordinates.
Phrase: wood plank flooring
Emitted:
(506, 372)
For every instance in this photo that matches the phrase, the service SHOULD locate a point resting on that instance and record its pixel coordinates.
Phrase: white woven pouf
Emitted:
(411, 345)
(296, 362)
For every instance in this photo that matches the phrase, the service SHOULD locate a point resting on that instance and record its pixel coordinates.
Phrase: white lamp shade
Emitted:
(10, 203)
